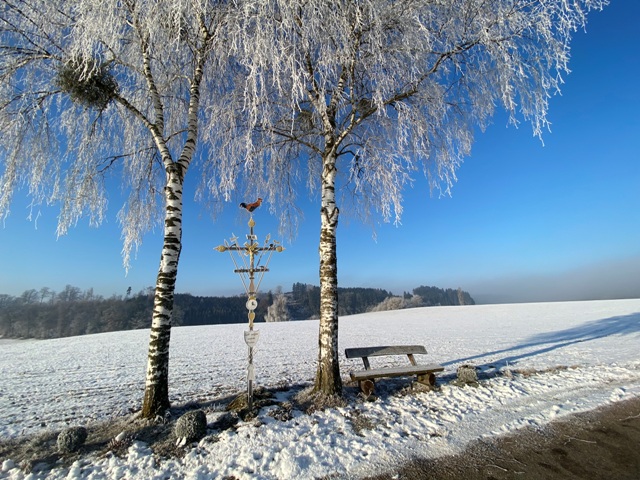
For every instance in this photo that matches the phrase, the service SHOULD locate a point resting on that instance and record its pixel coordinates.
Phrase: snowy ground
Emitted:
(75, 381)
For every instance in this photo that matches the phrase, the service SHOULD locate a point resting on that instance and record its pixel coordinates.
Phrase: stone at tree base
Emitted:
(191, 426)
(239, 403)
(467, 375)
(71, 439)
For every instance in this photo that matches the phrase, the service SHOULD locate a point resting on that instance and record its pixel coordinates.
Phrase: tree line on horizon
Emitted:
(45, 313)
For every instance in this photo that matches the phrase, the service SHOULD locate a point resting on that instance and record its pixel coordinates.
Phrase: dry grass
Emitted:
(360, 422)
(310, 401)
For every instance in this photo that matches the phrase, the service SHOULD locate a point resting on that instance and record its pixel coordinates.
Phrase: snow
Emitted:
(537, 363)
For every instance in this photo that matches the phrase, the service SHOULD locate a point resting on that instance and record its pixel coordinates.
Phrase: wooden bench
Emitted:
(366, 377)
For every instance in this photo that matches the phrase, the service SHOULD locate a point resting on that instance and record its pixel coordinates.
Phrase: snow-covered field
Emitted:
(75, 381)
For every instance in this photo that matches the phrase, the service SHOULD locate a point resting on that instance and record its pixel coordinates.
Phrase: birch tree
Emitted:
(358, 96)
(95, 89)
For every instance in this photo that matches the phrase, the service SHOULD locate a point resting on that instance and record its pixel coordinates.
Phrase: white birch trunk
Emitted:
(328, 381)
(156, 395)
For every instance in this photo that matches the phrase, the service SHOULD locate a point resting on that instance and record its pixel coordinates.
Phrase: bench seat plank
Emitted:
(384, 350)
(396, 371)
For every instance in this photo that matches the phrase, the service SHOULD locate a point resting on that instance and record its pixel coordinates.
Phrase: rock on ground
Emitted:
(467, 374)
(191, 426)
(71, 439)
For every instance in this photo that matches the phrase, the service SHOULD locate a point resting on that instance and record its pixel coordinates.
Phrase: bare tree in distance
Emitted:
(355, 97)
(278, 311)
(95, 89)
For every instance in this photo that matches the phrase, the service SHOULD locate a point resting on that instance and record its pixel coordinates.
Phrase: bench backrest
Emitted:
(384, 350)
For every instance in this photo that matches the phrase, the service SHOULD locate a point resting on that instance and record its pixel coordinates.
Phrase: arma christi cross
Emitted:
(249, 265)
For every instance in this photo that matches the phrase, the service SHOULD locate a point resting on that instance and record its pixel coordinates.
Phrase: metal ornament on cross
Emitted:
(251, 261)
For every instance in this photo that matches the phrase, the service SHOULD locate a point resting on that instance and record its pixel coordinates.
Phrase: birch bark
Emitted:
(328, 381)
(156, 395)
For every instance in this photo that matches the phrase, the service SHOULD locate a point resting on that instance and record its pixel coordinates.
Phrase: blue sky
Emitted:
(525, 222)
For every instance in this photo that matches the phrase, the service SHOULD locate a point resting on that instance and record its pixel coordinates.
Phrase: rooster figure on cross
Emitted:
(250, 207)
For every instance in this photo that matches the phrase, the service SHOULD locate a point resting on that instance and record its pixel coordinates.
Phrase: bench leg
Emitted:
(428, 379)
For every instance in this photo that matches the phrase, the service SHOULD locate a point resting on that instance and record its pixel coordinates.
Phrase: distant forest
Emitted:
(46, 314)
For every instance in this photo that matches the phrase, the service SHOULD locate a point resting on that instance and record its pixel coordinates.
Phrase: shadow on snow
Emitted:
(606, 327)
